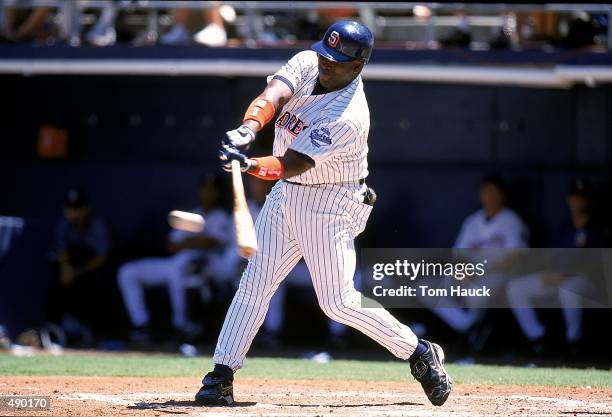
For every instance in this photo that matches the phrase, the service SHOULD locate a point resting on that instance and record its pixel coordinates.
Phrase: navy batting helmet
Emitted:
(346, 41)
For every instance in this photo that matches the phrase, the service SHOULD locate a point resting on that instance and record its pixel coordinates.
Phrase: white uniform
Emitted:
(524, 292)
(505, 230)
(133, 277)
(315, 216)
(298, 277)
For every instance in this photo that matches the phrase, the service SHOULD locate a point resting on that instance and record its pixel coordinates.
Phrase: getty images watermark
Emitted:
(485, 278)
(405, 269)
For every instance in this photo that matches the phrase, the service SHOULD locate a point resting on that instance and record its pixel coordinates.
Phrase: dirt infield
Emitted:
(123, 396)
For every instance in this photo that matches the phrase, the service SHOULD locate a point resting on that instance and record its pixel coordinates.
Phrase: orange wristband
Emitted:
(261, 110)
(268, 168)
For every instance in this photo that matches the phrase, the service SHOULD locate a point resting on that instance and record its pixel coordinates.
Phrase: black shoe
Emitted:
(429, 370)
(216, 390)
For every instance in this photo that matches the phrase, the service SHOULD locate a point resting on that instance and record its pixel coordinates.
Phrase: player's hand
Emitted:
(240, 137)
(229, 153)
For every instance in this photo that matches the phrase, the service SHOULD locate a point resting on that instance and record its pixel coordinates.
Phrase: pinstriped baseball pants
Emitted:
(318, 223)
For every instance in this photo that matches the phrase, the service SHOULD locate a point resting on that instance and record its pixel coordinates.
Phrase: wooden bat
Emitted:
(245, 231)
(183, 220)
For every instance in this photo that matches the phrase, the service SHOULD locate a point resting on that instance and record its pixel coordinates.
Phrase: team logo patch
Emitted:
(320, 137)
(333, 39)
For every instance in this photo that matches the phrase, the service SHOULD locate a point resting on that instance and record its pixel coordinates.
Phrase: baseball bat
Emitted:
(183, 220)
(245, 231)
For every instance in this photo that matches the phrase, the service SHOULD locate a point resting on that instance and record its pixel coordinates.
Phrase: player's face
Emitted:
(491, 197)
(337, 75)
(76, 215)
(578, 205)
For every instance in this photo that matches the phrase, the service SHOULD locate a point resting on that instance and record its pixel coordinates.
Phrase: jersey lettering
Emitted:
(291, 122)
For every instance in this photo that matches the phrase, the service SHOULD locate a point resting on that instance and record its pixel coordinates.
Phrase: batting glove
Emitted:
(229, 153)
(242, 136)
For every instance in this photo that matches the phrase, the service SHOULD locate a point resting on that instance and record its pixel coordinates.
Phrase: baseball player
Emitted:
(317, 209)
(568, 281)
(211, 245)
(495, 226)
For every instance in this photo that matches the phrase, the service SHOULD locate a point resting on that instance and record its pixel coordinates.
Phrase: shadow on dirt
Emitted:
(349, 405)
(161, 406)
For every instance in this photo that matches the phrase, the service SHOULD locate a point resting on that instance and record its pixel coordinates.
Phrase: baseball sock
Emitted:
(420, 349)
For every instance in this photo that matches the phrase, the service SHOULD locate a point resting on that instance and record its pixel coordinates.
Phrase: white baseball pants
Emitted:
(318, 223)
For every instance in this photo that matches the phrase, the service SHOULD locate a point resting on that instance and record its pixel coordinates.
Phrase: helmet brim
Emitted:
(326, 52)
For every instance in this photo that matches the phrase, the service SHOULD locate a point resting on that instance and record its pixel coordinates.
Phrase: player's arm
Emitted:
(268, 167)
(260, 112)
(272, 167)
(277, 93)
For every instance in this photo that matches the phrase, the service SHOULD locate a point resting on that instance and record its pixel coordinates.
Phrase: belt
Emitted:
(360, 181)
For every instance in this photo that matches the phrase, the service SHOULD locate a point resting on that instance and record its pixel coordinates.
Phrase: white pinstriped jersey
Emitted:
(331, 128)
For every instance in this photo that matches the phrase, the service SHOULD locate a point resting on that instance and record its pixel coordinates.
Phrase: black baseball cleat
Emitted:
(217, 389)
(429, 370)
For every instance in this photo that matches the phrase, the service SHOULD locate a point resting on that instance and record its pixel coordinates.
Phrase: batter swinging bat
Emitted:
(183, 220)
(245, 232)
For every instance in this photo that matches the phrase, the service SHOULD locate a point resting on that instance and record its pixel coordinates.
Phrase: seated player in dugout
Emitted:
(494, 226)
(317, 209)
(79, 267)
(190, 253)
(570, 279)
